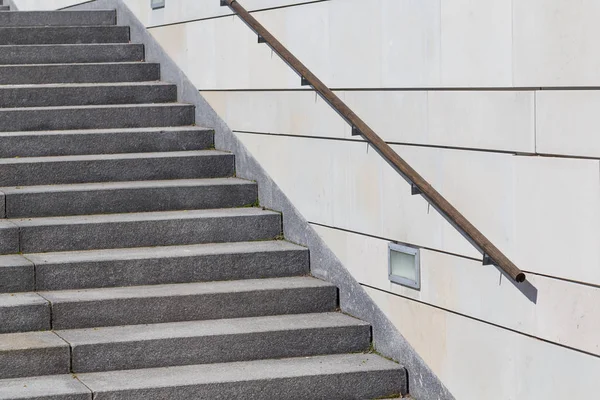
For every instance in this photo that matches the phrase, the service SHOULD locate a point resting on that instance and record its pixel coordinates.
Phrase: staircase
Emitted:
(135, 264)
(4, 7)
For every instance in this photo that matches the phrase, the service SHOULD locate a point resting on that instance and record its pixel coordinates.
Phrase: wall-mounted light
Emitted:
(155, 4)
(404, 265)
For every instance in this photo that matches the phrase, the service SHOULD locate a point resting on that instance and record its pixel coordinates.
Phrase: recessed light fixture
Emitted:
(155, 4)
(404, 265)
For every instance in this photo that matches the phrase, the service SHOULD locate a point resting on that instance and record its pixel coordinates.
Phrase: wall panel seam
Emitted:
(432, 146)
(417, 89)
(231, 14)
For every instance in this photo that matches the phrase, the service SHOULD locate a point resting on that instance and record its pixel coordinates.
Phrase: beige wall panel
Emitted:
(542, 212)
(476, 37)
(557, 217)
(568, 122)
(478, 361)
(455, 119)
(564, 312)
(30, 5)
(325, 37)
(555, 43)
(223, 53)
(348, 185)
(176, 11)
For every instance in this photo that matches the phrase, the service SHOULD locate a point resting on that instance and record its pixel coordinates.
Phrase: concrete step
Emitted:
(33, 354)
(126, 197)
(70, 53)
(156, 265)
(21, 312)
(347, 376)
(63, 35)
(55, 95)
(58, 18)
(215, 341)
(136, 305)
(353, 376)
(115, 167)
(96, 117)
(40, 235)
(53, 387)
(4, 8)
(104, 141)
(79, 73)
(17, 274)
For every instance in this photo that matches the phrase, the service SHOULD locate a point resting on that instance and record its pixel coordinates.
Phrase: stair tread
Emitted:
(223, 373)
(183, 289)
(42, 45)
(107, 131)
(142, 253)
(14, 261)
(21, 299)
(119, 156)
(238, 371)
(101, 106)
(48, 65)
(143, 216)
(60, 26)
(30, 340)
(77, 187)
(232, 326)
(80, 85)
(43, 387)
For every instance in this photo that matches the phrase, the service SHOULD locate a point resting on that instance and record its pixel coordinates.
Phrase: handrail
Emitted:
(491, 254)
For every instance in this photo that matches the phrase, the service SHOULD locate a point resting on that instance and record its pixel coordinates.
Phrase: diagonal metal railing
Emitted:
(419, 186)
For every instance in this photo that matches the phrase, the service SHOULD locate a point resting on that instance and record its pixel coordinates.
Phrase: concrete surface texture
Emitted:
(134, 263)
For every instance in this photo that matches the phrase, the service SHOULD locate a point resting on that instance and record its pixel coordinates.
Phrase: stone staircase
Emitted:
(135, 264)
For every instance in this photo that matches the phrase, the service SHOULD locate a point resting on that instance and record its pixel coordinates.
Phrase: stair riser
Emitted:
(215, 349)
(129, 200)
(83, 96)
(365, 385)
(25, 318)
(62, 18)
(35, 362)
(55, 54)
(79, 73)
(68, 144)
(192, 308)
(119, 170)
(170, 270)
(9, 239)
(95, 118)
(64, 35)
(41, 239)
(18, 278)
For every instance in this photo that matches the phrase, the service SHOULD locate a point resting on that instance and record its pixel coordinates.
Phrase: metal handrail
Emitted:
(491, 254)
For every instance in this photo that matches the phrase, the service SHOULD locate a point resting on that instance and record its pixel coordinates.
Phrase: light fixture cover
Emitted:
(404, 265)
(157, 4)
